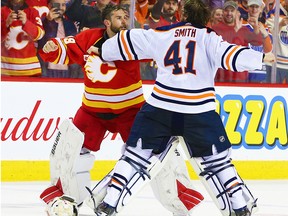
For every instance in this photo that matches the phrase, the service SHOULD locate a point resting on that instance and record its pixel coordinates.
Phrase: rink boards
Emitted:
(255, 118)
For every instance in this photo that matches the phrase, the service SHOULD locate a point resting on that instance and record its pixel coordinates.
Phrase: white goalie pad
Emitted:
(137, 182)
(98, 192)
(215, 188)
(173, 187)
(69, 168)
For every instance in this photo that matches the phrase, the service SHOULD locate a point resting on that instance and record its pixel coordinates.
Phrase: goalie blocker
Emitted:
(69, 171)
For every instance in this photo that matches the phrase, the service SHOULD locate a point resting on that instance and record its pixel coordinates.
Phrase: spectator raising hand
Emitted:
(233, 31)
(57, 25)
(256, 24)
(238, 20)
(164, 12)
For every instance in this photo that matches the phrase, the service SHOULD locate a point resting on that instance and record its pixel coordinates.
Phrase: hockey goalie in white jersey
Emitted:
(182, 104)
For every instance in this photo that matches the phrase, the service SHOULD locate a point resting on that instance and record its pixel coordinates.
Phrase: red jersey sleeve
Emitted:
(33, 27)
(73, 49)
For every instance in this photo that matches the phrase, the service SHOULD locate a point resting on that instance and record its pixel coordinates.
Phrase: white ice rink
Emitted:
(22, 199)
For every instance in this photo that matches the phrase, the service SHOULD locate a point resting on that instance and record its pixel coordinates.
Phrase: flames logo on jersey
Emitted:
(16, 38)
(97, 70)
(43, 10)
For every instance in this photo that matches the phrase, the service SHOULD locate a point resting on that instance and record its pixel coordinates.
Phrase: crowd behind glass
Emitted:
(26, 25)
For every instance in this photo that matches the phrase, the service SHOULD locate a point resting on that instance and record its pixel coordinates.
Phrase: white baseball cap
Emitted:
(255, 2)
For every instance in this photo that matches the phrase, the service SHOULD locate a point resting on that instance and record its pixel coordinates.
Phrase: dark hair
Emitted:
(196, 12)
(15, 7)
(107, 11)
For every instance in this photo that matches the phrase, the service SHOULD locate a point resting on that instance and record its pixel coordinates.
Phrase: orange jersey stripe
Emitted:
(115, 181)
(202, 96)
(125, 45)
(229, 56)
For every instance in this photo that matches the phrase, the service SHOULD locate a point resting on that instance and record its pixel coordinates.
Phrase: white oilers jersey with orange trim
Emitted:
(187, 58)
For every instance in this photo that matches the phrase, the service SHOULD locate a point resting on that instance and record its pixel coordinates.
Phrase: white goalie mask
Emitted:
(62, 206)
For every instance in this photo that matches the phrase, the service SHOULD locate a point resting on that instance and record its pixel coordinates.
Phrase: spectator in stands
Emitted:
(141, 12)
(257, 24)
(21, 28)
(87, 16)
(283, 13)
(40, 5)
(255, 10)
(282, 43)
(90, 16)
(269, 6)
(164, 12)
(243, 9)
(232, 31)
(282, 52)
(57, 25)
(216, 17)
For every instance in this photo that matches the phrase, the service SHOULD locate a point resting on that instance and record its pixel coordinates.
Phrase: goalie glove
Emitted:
(97, 70)
(62, 206)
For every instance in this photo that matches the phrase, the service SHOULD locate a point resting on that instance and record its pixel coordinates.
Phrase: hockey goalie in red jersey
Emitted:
(112, 97)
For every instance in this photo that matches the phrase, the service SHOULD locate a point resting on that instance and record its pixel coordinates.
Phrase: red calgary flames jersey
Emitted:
(115, 86)
(18, 51)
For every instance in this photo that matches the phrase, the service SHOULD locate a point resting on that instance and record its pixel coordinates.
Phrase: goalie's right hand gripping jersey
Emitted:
(117, 86)
(187, 58)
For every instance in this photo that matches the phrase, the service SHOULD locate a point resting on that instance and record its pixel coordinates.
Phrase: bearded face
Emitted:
(116, 28)
(119, 21)
(170, 7)
(229, 15)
